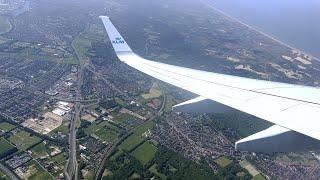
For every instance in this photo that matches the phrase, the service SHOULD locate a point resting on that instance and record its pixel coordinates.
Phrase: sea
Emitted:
(294, 22)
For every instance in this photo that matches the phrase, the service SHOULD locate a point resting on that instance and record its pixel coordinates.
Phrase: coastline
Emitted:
(205, 2)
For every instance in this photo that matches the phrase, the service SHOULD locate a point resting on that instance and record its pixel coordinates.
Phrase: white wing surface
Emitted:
(293, 107)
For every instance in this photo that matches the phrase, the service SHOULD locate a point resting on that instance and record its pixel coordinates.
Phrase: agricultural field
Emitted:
(102, 131)
(124, 118)
(24, 140)
(39, 150)
(131, 142)
(6, 127)
(145, 152)
(5, 146)
(223, 161)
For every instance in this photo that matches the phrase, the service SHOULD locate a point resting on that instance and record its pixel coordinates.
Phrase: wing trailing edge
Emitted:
(277, 139)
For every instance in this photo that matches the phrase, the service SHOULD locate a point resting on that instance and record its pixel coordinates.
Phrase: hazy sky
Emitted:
(296, 22)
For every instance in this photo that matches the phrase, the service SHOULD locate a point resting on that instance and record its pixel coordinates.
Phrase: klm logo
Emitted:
(118, 40)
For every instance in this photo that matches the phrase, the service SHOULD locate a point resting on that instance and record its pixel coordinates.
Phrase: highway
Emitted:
(72, 164)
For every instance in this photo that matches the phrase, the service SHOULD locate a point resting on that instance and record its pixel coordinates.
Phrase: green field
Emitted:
(63, 129)
(249, 167)
(145, 152)
(83, 42)
(143, 128)
(154, 92)
(124, 118)
(223, 161)
(131, 142)
(39, 150)
(5, 146)
(24, 140)
(259, 177)
(102, 131)
(154, 170)
(39, 171)
(60, 158)
(6, 127)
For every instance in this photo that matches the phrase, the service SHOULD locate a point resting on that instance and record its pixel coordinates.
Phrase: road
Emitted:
(72, 164)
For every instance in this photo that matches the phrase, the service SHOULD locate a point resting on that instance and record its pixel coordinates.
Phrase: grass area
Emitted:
(60, 158)
(24, 140)
(39, 150)
(154, 170)
(5, 146)
(145, 152)
(154, 92)
(102, 132)
(129, 143)
(259, 177)
(223, 161)
(63, 129)
(39, 171)
(81, 44)
(141, 129)
(5, 25)
(123, 118)
(249, 167)
(169, 104)
(6, 127)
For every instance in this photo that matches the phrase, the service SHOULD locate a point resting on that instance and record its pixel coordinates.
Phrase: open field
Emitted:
(145, 152)
(39, 151)
(60, 158)
(223, 161)
(102, 132)
(249, 167)
(6, 127)
(154, 92)
(143, 128)
(130, 142)
(63, 129)
(5, 146)
(23, 140)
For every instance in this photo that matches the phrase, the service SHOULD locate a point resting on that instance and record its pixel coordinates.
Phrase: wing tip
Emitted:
(104, 17)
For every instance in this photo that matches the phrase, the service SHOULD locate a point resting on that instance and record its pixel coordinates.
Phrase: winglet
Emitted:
(118, 42)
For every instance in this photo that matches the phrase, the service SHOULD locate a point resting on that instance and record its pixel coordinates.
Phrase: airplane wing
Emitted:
(294, 109)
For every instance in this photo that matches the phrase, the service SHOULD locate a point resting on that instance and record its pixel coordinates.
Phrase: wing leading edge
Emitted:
(293, 107)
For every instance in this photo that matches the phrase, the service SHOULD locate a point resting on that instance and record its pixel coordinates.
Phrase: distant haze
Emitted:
(295, 22)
